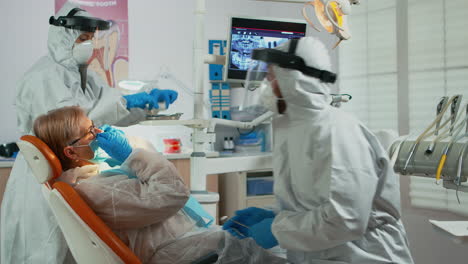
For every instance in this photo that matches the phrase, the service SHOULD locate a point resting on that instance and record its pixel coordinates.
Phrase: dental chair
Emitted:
(90, 240)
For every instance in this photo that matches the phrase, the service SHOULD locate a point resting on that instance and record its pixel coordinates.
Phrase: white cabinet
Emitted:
(233, 192)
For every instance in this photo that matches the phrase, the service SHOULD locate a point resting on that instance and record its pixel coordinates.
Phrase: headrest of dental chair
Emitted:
(40, 158)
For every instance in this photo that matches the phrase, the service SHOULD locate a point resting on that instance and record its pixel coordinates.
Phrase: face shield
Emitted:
(257, 87)
(106, 43)
(93, 33)
(81, 23)
(261, 75)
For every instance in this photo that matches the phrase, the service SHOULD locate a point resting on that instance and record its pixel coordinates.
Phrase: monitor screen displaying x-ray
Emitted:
(247, 34)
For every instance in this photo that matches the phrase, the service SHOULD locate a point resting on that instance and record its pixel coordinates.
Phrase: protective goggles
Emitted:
(82, 23)
(262, 58)
(90, 134)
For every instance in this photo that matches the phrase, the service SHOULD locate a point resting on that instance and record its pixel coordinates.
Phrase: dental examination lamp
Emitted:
(331, 14)
(440, 151)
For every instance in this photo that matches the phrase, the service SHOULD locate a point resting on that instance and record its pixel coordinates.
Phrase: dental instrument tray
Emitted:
(175, 116)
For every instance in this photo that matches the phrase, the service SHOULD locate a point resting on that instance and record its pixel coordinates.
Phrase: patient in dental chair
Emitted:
(137, 193)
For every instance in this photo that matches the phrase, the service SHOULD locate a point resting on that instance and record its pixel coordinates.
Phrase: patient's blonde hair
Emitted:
(58, 128)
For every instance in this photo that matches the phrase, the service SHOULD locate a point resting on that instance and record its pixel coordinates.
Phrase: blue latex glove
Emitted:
(138, 100)
(156, 95)
(249, 217)
(262, 234)
(114, 144)
(111, 129)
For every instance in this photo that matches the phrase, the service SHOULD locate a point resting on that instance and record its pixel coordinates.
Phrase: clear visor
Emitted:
(106, 43)
(258, 76)
(255, 74)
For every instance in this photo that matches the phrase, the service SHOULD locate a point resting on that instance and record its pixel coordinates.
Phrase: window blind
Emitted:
(437, 64)
(367, 66)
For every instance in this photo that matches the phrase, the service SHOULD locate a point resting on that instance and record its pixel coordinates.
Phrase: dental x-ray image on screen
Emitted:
(247, 34)
(242, 46)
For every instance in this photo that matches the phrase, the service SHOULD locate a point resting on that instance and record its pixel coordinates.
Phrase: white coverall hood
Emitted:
(61, 40)
(302, 92)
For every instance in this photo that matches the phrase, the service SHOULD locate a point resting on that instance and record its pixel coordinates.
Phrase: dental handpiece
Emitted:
(410, 157)
(224, 218)
(439, 108)
(460, 165)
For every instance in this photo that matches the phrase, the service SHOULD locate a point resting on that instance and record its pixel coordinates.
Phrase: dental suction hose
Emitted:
(425, 134)
(446, 161)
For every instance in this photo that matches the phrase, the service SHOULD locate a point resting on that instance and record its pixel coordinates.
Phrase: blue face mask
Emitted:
(99, 154)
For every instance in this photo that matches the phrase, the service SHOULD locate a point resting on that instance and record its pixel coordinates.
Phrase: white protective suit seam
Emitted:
(114, 211)
(313, 232)
(44, 245)
(342, 168)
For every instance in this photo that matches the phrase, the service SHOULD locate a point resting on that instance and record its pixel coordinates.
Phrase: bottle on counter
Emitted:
(231, 144)
(226, 145)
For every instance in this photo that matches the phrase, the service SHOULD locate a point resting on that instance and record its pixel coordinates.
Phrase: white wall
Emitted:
(160, 35)
(24, 41)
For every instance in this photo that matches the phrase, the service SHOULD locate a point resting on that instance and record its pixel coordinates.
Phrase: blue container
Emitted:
(260, 186)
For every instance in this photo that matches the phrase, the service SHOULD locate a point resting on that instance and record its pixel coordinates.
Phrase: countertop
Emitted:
(239, 162)
(186, 155)
(217, 162)
(6, 163)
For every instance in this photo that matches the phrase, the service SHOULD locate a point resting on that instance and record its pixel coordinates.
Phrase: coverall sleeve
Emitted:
(340, 216)
(157, 194)
(110, 107)
(41, 91)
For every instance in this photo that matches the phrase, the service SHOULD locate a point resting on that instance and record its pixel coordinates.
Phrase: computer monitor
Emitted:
(247, 33)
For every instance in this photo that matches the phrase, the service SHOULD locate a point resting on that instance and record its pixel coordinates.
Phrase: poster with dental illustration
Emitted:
(110, 55)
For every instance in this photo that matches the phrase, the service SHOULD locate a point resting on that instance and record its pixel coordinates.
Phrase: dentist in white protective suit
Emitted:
(338, 197)
(29, 231)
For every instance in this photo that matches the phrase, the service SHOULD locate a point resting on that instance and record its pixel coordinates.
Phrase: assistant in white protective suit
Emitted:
(339, 199)
(143, 198)
(29, 232)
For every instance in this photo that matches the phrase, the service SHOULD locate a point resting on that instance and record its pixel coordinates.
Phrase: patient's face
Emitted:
(87, 133)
